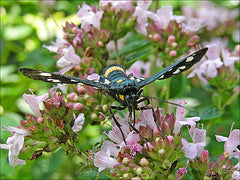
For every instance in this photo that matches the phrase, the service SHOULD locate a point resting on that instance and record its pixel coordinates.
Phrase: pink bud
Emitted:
(70, 104)
(81, 90)
(171, 39)
(40, 120)
(78, 106)
(72, 96)
(75, 30)
(172, 53)
(157, 37)
(204, 156)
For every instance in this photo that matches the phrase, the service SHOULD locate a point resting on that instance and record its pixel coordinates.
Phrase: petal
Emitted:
(221, 138)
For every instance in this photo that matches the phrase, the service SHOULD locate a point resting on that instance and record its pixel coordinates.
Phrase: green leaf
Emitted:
(7, 76)
(130, 48)
(207, 113)
(13, 33)
(136, 56)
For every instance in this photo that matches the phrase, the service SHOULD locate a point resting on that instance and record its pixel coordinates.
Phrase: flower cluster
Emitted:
(46, 130)
(155, 148)
(218, 20)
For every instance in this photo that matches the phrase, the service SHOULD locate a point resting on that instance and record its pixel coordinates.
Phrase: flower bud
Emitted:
(171, 39)
(40, 120)
(105, 108)
(161, 152)
(48, 103)
(81, 90)
(144, 162)
(204, 156)
(78, 106)
(72, 96)
(172, 53)
(139, 171)
(157, 37)
(174, 44)
(99, 44)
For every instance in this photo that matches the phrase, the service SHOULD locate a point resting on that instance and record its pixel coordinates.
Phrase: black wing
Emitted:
(177, 67)
(60, 78)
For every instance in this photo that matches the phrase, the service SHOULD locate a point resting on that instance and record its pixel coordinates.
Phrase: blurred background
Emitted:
(25, 27)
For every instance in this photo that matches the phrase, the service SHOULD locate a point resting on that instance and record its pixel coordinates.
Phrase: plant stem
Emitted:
(167, 94)
(152, 86)
(231, 99)
(117, 53)
(156, 5)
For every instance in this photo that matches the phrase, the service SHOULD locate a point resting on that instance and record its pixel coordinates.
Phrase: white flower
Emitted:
(104, 160)
(34, 101)
(14, 145)
(194, 149)
(78, 123)
(68, 60)
(88, 17)
(180, 120)
(231, 143)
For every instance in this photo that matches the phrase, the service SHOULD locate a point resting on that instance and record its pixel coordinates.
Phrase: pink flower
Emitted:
(228, 59)
(231, 143)
(196, 148)
(103, 160)
(194, 24)
(78, 123)
(139, 69)
(117, 5)
(56, 97)
(180, 120)
(146, 117)
(181, 173)
(14, 145)
(93, 76)
(165, 15)
(34, 101)
(115, 134)
(132, 143)
(88, 17)
(142, 15)
(236, 175)
(68, 60)
(112, 148)
(207, 68)
(56, 47)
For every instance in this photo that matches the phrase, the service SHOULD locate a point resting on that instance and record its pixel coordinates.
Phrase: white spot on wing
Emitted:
(45, 74)
(138, 80)
(54, 80)
(106, 81)
(73, 80)
(132, 78)
(170, 69)
(162, 76)
(177, 71)
(189, 59)
(182, 67)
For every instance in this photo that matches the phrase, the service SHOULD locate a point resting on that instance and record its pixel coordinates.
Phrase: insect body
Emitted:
(124, 89)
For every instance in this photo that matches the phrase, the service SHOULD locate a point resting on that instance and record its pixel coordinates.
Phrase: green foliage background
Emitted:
(25, 27)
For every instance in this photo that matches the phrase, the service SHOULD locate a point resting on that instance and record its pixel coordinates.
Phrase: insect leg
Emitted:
(153, 112)
(115, 120)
